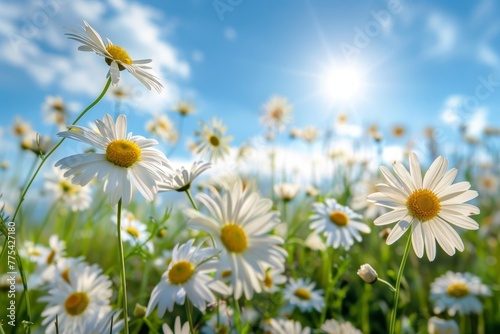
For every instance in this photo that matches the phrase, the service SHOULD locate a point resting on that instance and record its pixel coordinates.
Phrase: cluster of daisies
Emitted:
(240, 248)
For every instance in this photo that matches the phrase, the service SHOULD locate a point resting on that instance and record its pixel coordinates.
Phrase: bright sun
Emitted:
(342, 83)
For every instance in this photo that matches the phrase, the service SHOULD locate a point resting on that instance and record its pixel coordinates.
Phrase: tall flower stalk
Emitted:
(121, 258)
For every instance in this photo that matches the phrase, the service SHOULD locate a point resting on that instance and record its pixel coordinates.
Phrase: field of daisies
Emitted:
(123, 239)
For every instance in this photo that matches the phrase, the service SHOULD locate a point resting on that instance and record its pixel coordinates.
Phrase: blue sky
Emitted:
(420, 63)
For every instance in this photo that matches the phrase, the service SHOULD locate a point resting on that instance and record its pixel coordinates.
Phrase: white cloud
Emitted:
(450, 113)
(444, 34)
(477, 123)
(230, 34)
(50, 58)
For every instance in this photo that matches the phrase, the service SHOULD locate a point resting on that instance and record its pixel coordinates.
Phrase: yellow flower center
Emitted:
(51, 256)
(58, 106)
(67, 188)
(118, 54)
(277, 113)
(35, 252)
(123, 153)
(302, 294)
(132, 231)
(65, 275)
(76, 303)
(226, 273)
(339, 218)
(234, 238)
(180, 272)
(423, 204)
(457, 290)
(214, 140)
(268, 281)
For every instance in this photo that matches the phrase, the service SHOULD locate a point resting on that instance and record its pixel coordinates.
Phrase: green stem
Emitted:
(122, 265)
(392, 325)
(387, 283)
(189, 312)
(329, 283)
(237, 315)
(188, 193)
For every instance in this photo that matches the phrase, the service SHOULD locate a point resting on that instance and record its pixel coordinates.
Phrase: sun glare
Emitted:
(342, 83)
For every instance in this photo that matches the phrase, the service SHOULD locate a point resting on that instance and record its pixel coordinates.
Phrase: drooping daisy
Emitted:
(77, 302)
(339, 224)
(240, 223)
(75, 196)
(300, 293)
(339, 327)
(181, 179)
(36, 143)
(162, 127)
(458, 293)
(116, 57)
(429, 206)
(128, 160)
(286, 326)
(133, 231)
(367, 273)
(277, 112)
(187, 276)
(178, 329)
(212, 142)
(436, 325)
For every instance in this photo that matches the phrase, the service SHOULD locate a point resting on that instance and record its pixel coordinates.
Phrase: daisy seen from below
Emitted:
(76, 302)
(181, 179)
(458, 293)
(212, 141)
(286, 326)
(277, 112)
(184, 108)
(300, 293)
(116, 57)
(127, 160)
(187, 276)
(339, 224)
(429, 205)
(76, 197)
(241, 223)
(134, 231)
(339, 327)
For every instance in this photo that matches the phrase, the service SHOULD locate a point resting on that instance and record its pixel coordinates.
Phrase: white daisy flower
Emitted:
(240, 223)
(277, 112)
(286, 326)
(339, 224)
(128, 160)
(133, 231)
(178, 329)
(76, 303)
(367, 273)
(59, 270)
(273, 278)
(188, 275)
(162, 127)
(309, 134)
(116, 57)
(211, 142)
(181, 179)
(36, 143)
(220, 321)
(436, 325)
(184, 108)
(56, 111)
(75, 196)
(458, 293)
(429, 206)
(300, 293)
(339, 327)
(286, 191)
(101, 322)
(20, 128)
